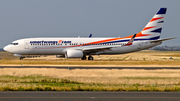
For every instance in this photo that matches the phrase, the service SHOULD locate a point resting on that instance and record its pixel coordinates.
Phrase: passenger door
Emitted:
(26, 44)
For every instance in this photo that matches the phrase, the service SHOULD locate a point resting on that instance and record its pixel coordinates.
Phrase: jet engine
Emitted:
(59, 56)
(74, 54)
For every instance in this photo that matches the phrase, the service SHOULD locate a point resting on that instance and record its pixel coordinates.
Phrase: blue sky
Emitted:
(71, 18)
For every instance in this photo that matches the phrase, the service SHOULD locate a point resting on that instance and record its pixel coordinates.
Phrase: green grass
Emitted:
(125, 58)
(44, 83)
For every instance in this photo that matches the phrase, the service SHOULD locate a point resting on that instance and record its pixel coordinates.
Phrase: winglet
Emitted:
(90, 35)
(131, 40)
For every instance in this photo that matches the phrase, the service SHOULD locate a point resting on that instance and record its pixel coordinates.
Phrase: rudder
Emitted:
(153, 29)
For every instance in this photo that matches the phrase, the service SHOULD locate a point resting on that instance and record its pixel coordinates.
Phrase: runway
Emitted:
(87, 96)
(71, 68)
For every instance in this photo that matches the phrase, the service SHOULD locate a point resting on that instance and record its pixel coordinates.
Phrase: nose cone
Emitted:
(7, 48)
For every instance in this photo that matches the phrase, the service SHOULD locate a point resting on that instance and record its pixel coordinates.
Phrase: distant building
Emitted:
(166, 48)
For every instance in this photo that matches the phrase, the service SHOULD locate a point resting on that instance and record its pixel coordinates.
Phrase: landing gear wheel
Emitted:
(21, 58)
(90, 58)
(84, 57)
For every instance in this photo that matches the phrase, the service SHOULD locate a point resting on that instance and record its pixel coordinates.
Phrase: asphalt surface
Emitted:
(87, 96)
(71, 68)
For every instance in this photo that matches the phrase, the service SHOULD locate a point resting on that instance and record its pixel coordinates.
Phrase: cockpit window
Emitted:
(14, 43)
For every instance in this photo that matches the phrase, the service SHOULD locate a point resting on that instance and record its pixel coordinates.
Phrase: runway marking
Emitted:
(86, 97)
(76, 67)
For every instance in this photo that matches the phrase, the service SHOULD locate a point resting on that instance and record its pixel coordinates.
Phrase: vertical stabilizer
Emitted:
(153, 29)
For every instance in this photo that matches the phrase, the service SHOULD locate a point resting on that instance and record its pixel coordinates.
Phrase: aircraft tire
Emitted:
(90, 58)
(84, 57)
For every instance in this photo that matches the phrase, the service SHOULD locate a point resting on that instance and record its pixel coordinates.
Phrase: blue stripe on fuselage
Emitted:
(154, 38)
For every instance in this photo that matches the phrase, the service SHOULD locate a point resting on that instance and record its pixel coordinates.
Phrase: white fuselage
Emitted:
(57, 46)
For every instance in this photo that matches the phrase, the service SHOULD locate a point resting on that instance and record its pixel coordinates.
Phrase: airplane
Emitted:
(82, 47)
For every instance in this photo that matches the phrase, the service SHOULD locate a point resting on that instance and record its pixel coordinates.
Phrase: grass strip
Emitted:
(45, 83)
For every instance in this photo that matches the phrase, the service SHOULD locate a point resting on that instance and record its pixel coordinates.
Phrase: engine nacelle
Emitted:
(73, 54)
(59, 56)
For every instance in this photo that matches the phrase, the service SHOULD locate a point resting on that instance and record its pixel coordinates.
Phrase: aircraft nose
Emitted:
(6, 48)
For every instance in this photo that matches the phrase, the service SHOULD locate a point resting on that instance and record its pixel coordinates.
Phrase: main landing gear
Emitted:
(84, 57)
(89, 58)
(21, 58)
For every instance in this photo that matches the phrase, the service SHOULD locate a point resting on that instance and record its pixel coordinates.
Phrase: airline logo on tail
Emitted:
(154, 27)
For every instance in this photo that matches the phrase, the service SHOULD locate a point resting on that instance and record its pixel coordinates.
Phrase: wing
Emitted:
(103, 48)
(97, 49)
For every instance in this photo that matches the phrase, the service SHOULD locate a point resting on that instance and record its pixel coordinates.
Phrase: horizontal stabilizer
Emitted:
(160, 40)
